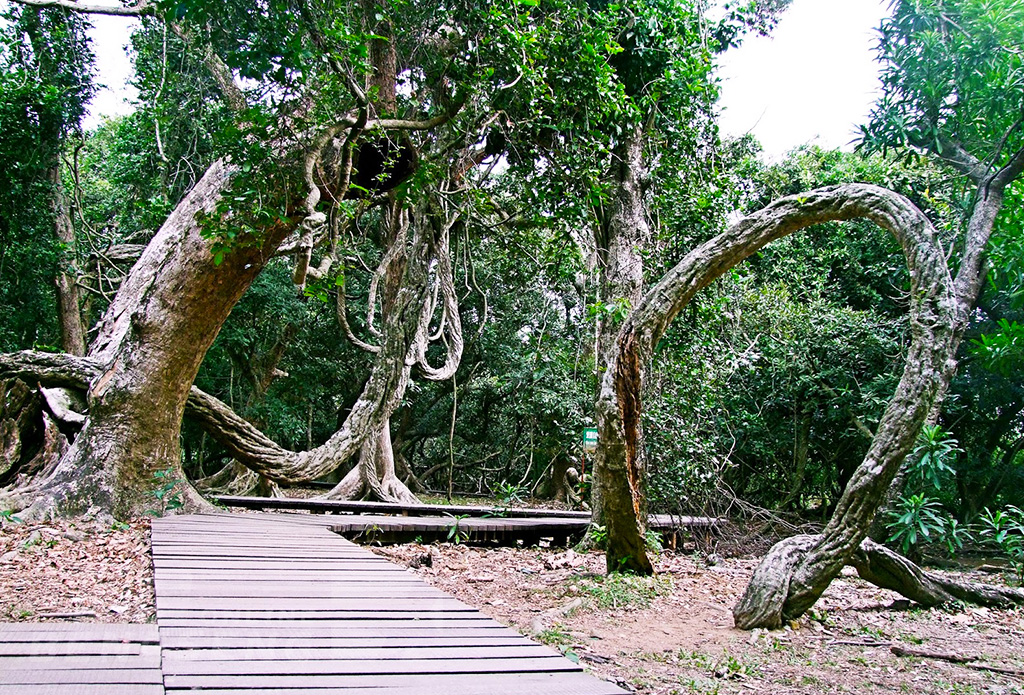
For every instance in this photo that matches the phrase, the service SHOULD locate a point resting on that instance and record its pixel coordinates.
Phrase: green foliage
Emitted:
(618, 590)
(166, 492)
(1003, 350)
(1004, 528)
(915, 520)
(653, 541)
(954, 535)
(597, 537)
(932, 456)
(555, 636)
(45, 82)
(509, 494)
(952, 72)
(611, 313)
(561, 640)
(457, 533)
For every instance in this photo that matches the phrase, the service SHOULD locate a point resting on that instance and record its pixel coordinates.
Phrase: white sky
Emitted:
(814, 79)
(110, 36)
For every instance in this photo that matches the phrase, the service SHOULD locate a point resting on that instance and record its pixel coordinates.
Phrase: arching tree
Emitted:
(795, 573)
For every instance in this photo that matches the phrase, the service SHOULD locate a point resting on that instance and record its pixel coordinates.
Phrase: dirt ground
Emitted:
(670, 634)
(82, 570)
(674, 633)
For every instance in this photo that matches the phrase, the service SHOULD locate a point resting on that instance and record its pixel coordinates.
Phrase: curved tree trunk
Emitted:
(932, 361)
(934, 313)
(380, 397)
(768, 596)
(140, 368)
(139, 421)
(236, 479)
(153, 337)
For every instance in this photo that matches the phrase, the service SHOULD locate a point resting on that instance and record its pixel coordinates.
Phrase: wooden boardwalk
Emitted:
(79, 659)
(279, 604)
(396, 523)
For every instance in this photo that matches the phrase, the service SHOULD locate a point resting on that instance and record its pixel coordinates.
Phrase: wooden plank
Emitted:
(279, 619)
(312, 604)
(228, 552)
(356, 630)
(66, 648)
(520, 651)
(198, 616)
(349, 628)
(549, 663)
(324, 589)
(361, 507)
(67, 676)
(660, 521)
(408, 684)
(198, 643)
(92, 662)
(227, 545)
(395, 577)
(245, 564)
(456, 684)
(84, 689)
(80, 632)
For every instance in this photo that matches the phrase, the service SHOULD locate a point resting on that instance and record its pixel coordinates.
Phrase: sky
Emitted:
(110, 35)
(813, 80)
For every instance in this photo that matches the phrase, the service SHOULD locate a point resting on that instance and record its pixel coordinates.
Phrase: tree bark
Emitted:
(380, 397)
(802, 417)
(69, 312)
(883, 567)
(929, 370)
(374, 474)
(144, 359)
(617, 499)
(765, 602)
(146, 350)
(150, 342)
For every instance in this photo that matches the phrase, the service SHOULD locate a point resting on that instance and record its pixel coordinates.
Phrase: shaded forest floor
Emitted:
(80, 569)
(669, 634)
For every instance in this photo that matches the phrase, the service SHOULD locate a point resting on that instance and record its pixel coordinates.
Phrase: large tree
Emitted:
(286, 169)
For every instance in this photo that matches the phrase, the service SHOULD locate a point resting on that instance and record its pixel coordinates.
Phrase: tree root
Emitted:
(374, 475)
(360, 484)
(236, 479)
(883, 567)
(763, 604)
(768, 595)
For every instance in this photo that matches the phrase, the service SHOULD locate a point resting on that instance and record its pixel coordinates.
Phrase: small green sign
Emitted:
(590, 440)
